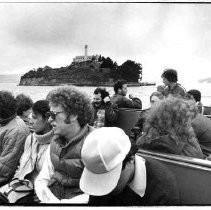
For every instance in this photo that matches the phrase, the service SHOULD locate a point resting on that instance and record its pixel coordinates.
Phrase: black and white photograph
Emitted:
(105, 103)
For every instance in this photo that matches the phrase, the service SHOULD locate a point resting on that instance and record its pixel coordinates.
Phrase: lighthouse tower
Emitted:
(86, 54)
(85, 57)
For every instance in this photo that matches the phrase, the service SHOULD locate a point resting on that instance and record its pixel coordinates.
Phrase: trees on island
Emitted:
(129, 70)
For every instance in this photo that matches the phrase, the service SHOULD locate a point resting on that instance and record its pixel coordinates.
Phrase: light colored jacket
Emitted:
(12, 139)
(33, 156)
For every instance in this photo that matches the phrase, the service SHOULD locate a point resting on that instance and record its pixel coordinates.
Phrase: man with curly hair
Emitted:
(173, 88)
(70, 113)
(106, 113)
(13, 133)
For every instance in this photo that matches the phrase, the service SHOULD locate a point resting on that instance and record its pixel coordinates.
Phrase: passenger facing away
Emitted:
(24, 109)
(13, 133)
(119, 98)
(168, 128)
(196, 96)
(137, 130)
(115, 176)
(202, 129)
(172, 88)
(105, 113)
(71, 112)
(35, 147)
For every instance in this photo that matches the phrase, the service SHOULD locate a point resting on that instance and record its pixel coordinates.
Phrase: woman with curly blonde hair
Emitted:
(168, 128)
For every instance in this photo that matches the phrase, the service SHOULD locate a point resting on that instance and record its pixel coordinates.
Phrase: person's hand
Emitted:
(46, 196)
(36, 199)
(106, 99)
(131, 96)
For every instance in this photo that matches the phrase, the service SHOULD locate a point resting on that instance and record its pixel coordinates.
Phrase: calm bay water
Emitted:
(143, 92)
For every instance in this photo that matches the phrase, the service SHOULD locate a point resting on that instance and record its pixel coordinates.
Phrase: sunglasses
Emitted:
(53, 114)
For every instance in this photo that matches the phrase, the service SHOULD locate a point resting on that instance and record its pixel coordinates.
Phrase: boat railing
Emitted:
(178, 159)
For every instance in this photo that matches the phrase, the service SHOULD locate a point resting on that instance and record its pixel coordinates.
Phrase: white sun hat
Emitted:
(102, 153)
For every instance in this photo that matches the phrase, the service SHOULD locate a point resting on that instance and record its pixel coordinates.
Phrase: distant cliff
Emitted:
(207, 80)
(87, 73)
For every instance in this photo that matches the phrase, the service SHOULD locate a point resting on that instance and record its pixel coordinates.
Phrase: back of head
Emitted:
(74, 102)
(24, 103)
(8, 105)
(102, 91)
(41, 107)
(118, 85)
(170, 75)
(170, 116)
(196, 94)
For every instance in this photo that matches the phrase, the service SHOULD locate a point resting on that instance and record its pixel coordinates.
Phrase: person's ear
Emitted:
(71, 119)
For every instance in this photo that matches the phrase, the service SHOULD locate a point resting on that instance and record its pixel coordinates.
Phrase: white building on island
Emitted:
(85, 57)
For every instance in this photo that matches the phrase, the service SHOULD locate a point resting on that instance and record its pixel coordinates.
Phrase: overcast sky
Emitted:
(158, 36)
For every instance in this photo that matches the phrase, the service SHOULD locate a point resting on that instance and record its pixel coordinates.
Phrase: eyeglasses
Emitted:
(53, 114)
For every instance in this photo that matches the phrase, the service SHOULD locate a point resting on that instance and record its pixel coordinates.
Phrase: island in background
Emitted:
(94, 70)
(206, 80)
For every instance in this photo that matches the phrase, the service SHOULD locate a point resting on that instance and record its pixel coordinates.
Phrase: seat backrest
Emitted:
(207, 110)
(127, 118)
(193, 176)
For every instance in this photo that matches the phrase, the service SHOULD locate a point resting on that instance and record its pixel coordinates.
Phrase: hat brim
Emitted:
(100, 184)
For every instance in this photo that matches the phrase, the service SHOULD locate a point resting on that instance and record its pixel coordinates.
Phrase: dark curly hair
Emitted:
(74, 102)
(24, 103)
(171, 116)
(8, 105)
(196, 94)
(41, 107)
(102, 91)
(118, 85)
(170, 75)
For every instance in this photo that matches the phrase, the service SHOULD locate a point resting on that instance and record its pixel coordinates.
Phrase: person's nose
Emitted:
(50, 120)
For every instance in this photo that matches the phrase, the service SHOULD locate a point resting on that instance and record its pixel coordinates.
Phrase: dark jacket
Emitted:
(167, 144)
(202, 128)
(137, 130)
(111, 113)
(124, 102)
(176, 90)
(161, 189)
(12, 140)
(68, 166)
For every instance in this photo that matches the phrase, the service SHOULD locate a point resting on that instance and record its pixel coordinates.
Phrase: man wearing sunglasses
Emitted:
(70, 113)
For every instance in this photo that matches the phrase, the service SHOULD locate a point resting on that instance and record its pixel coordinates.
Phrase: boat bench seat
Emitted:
(127, 119)
(193, 176)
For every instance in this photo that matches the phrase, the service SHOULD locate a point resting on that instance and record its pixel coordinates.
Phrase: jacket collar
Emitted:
(138, 184)
(45, 138)
(4, 122)
(65, 143)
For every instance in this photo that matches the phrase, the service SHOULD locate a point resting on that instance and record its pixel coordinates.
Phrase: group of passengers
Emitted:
(175, 125)
(71, 151)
